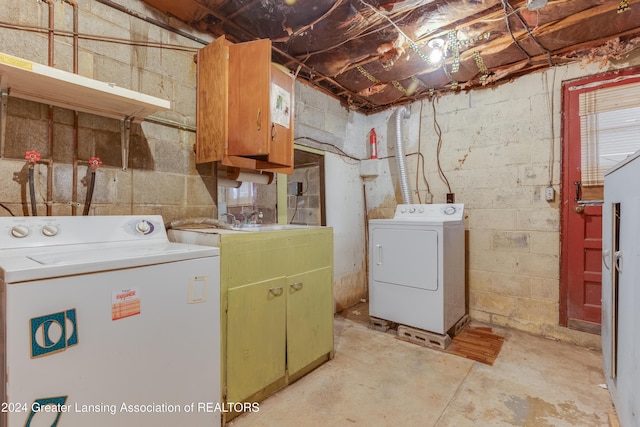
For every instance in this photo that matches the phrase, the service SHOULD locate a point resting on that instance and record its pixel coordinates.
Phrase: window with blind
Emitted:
(609, 129)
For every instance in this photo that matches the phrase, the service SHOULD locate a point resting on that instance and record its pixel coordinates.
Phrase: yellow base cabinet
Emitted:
(277, 306)
(277, 288)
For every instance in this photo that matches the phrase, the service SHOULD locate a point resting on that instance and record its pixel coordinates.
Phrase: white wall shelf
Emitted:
(40, 83)
(36, 82)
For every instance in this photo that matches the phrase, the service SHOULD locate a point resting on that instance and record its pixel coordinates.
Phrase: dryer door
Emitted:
(405, 256)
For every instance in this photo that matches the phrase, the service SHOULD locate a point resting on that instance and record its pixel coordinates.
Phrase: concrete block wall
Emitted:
(162, 177)
(497, 151)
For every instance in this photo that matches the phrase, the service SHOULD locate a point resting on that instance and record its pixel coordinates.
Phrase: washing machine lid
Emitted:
(42, 263)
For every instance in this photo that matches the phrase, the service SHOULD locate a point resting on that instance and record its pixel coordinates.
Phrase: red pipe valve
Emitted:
(32, 156)
(95, 162)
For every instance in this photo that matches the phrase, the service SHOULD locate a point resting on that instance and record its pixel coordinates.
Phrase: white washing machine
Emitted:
(105, 322)
(417, 266)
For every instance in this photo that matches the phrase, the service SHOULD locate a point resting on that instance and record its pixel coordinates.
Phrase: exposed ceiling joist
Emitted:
(377, 54)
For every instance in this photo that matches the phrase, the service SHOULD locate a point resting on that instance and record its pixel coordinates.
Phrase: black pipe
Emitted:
(32, 191)
(87, 201)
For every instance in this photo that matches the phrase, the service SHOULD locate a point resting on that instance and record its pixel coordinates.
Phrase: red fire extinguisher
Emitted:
(373, 141)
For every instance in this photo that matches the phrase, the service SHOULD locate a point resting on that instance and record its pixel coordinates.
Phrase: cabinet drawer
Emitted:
(251, 258)
(311, 251)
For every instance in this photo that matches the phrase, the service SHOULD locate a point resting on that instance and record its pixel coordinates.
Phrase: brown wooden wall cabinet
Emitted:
(244, 107)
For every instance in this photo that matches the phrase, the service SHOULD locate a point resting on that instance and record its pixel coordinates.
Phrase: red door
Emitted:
(581, 263)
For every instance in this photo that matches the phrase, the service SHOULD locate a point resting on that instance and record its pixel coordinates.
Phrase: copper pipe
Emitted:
(74, 185)
(51, 25)
(49, 202)
(50, 169)
(51, 62)
(116, 40)
(74, 5)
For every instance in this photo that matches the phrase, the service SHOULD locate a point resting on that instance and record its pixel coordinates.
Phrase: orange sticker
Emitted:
(125, 303)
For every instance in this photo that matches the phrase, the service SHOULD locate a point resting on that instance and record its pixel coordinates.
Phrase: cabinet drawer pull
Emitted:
(259, 119)
(296, 286)
(277, 291)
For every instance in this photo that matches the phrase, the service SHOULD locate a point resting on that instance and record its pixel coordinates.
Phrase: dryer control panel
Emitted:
(431, 212)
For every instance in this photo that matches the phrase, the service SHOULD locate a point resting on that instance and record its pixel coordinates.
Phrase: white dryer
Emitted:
(417, 266)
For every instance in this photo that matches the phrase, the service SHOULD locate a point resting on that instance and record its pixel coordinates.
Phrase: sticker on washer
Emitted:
(49, 407)
(198, 289)
(125, 303)
(53, 333)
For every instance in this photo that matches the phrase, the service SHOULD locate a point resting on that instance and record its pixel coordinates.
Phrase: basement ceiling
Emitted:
(375, 54)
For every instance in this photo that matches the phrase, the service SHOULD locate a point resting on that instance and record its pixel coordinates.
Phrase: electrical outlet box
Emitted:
(549, 194)
(294, 188)
(451, 198)
(428, 198)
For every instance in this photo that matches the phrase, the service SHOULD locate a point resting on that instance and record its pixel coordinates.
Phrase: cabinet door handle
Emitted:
(296, 286)
(259, 119)
(617, 263)
(276, 292)
(274, 132)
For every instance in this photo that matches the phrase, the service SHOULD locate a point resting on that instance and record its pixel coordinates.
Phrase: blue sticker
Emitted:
(55, 331)
(58, 406)
(42, 326)
(73, 335)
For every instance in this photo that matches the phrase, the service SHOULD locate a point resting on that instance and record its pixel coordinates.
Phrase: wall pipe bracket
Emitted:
(4, 97)
(125, 133)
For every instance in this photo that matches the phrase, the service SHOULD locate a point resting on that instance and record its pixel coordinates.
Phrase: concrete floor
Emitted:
(378, 380)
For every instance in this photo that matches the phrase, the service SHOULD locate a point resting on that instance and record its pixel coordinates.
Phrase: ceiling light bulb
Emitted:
(436, 56)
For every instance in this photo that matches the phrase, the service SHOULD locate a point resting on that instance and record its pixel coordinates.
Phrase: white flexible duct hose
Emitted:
(402, 113)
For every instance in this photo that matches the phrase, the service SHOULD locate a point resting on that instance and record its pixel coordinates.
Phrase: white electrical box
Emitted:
(549, 194)
(370, 168)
